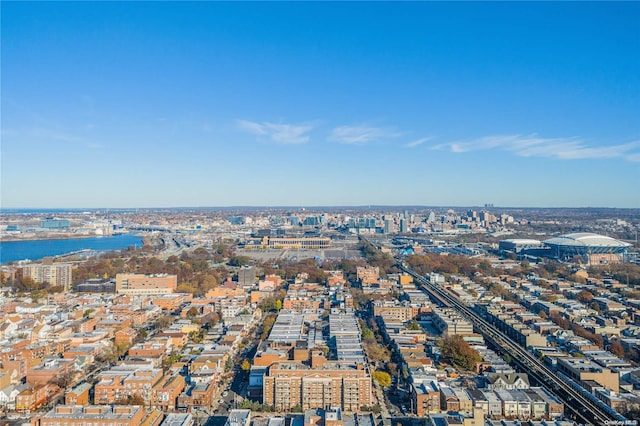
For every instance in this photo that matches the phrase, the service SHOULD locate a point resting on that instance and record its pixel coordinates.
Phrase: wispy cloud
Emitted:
(418, 142)
(534, 146)
(54, 135)
(49, 136)
(279, 133)
(360, 134)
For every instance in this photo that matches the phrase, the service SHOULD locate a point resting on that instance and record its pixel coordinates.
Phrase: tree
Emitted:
(456, 351)
(64, 380)
(196, 336)
(37, 295)
(413, 325)
(382, 378)
(584, 296)
(376, 352)
(266, 327)
(549, 297)
(228, 365)
(246, 365)
(141, 336)
(367, 334)
(393, 368)
(135, 399)
(164, 321)
(617, 349)
(239, 261)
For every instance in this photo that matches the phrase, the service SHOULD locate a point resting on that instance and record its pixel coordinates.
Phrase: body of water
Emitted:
(11, 251)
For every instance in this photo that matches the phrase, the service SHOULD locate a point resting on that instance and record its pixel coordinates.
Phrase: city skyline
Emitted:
(117, 105)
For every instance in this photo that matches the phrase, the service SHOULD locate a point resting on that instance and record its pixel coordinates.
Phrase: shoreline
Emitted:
(36, 249)
(56, 237)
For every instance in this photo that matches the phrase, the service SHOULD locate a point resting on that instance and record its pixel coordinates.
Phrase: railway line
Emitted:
(584, 409)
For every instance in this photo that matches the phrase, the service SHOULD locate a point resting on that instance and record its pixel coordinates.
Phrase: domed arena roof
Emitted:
(586, 239)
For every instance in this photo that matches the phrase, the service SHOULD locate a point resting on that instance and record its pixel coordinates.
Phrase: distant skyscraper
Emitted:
(404, 226)
(388, 226)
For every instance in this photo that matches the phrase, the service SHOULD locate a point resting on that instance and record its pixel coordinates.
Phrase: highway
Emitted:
(583, 408)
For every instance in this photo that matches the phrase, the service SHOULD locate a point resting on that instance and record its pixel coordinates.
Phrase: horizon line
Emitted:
(301, 206)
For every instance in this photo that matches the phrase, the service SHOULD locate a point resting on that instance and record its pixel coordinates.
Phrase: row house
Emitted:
(426, 397)
(166, 392)
(97, 415)
(507, 381)
(33, 397)
(78, 395)
(124, 381)
(196, 396)
(48, 371)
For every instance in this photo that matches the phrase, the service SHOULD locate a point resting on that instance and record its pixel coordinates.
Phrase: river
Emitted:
(11, 251)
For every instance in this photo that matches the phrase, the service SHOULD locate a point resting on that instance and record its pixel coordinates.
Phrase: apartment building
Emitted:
(450, 322)
(125, 381)
(57, 274)
(77, 415)
(336, 384)
(583, 369)
(394, 309)
(426, 397)
(367, 274)
(166, 392)
(144, 285)
(78, 395)
(49, 370)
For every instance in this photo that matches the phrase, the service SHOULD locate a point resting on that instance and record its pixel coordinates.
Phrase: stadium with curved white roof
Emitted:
(588, 247)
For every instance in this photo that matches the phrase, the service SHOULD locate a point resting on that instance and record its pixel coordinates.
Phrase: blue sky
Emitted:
(305, 104)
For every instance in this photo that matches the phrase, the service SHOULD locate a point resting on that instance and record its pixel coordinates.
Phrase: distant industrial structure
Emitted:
(51, 223)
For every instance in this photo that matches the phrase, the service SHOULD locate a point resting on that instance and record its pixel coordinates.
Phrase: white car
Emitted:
(225, 393)
(221, 401)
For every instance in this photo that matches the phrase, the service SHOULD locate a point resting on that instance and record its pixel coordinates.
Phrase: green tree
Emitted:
(367, 334)
(141, 336)
(413, 325)
(266, 327)
(196, 336)
(246, 365)
(239, 261)
(382, 378)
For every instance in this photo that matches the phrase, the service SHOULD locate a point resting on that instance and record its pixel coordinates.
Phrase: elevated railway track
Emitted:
(584, 409)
